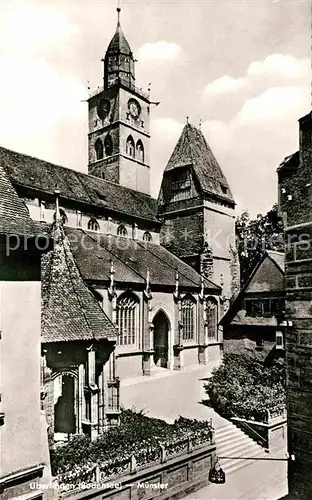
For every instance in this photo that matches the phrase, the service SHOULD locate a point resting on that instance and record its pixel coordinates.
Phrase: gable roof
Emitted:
(69, 310)
(192, 150)
(14, 216)
(290, 162)
(32, 173)
(94, 252)
(278, 260)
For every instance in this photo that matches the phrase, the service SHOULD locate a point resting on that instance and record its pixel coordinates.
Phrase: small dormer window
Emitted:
(93, 224)
(180, 180)
(122, 231)
(147, 236)
(224, 188)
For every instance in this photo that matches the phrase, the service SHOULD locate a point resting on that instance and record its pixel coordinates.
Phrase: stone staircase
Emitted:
(233, 442)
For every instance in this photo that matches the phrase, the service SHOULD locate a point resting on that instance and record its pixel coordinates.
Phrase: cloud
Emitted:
(250, 145)
(224, 85)
(160, 50)
(285, 66)
(273, 104)
(275, 70)
(29, 30)
(35, 97)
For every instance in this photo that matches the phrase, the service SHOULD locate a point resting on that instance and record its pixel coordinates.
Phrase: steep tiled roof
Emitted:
(247, 347)
(193, 150)
(290, 162)
(14, 216)
(69, 310)
(93, 253)
(43, 176)
(231, 315)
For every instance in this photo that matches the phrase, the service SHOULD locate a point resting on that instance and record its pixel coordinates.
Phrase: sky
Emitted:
(242, 68)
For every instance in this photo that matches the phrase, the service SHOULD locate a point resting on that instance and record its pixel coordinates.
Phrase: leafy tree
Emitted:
(244, 387)
(254, 236)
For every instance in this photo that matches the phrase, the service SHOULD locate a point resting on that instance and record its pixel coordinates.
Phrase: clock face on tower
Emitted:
(103, 108)
(134, 108)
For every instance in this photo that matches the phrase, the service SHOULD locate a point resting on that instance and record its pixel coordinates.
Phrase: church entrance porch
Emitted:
(161, 344)
(65, 405)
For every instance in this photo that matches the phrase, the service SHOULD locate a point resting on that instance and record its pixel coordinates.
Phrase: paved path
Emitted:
(263, 480)
(167, 395)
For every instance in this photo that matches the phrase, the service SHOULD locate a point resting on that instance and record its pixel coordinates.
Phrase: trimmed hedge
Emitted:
(242, 387)
(135, 434)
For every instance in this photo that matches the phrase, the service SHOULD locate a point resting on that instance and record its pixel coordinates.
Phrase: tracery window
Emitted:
(121, 230)
(130, 149)
(212, 318)
(93, 224)
(188, 309)
(126, 317)
(147, 236)
(140, 151)
(99, 150)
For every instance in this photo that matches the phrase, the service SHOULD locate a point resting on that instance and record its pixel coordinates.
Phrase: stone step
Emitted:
(230, 465)
(229, 440)
(231, 437)
(232, 429)
(236, 449)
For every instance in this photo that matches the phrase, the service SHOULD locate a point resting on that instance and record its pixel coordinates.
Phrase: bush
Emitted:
(245, 388)
(136, 434)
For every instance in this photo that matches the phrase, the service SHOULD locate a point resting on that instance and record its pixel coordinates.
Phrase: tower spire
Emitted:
(118, 14)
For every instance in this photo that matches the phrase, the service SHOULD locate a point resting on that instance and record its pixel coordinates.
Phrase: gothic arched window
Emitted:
(99, 151)
(211, 319)
(127, 317)
(188, 310)
(147, 236)
(140, 151)
(130, 146)
(108, 145)
(121, 230)
(93, 224)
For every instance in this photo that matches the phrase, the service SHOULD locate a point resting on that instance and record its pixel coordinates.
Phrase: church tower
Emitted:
(198, 210)
(119, 121)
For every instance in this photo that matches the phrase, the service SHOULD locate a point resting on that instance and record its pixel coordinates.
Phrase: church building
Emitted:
(164, 298)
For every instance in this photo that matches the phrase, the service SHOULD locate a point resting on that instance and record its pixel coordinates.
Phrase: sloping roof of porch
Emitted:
(70, 312)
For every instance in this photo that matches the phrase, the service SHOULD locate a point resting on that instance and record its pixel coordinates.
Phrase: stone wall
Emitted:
(298, 215)
(183, 233)
(172, 479)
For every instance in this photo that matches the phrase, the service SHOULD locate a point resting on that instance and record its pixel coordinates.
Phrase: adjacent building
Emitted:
(251, 326)
(23, 440)
(295, 204)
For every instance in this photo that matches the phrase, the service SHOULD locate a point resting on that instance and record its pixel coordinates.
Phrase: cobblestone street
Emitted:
(169, 394)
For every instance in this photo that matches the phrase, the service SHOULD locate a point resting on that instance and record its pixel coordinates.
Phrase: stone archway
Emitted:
(161, 339)
(65, 400)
